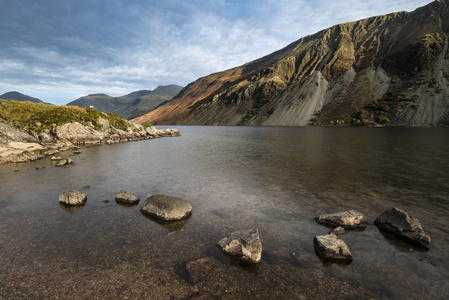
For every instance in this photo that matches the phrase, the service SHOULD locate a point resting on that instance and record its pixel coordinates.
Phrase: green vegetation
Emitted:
(39, 117)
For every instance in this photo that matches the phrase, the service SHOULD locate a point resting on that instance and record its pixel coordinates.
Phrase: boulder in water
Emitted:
(245, 245)
(166, 208)
(330, 247)
(347, 219)
(399, 223)
(72, 197)
(126, 198)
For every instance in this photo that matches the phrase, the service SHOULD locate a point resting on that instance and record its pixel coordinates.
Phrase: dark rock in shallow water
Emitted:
(399, 223)
(245, 245)
(166, 208)
(72, 197)
(126, 198)
(347, 219)
(64, 162)
(330, 247)
(337, 230)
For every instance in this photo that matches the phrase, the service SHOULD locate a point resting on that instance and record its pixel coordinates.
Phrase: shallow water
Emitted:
(276, 179)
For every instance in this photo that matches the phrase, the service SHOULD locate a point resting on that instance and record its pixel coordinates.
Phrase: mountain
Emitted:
(19, 97)
(131, 105)
(385, 70)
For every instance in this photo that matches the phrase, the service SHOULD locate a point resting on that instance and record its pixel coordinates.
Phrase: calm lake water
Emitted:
(276, 179)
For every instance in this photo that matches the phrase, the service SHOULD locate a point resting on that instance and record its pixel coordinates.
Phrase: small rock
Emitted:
(56, 158)
(106, 201)
(16, 170)
(126, 198)
(64, 162)
(40, 168)
(166, 208)
(52, 152)
(330, 247)
(347, 219)
(337, 230)
(87, 187)
(72, 197)
(399, 223)
(245, 245)
(76, 152)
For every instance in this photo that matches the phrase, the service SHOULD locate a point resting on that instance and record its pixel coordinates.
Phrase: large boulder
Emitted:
(399, 223)
(166, 208)
(126, 198)
(346, 219)
(72, 197)
(330, 247)
(78, 133)
(245, 245)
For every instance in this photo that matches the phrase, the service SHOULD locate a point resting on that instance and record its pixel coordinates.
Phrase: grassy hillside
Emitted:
(29, 116)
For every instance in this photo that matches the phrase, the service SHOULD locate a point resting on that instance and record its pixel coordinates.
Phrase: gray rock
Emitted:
(330, 247)
(64, 162)
(166, 208)
(55, 158)
(399, 223)
(245, 245)
(347, 219)
(337, 230)
(72, 197)
(126, 198)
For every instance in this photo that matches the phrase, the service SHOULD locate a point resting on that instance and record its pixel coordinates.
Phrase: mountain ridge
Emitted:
(16, 96)
(130, 105)
(384, 70)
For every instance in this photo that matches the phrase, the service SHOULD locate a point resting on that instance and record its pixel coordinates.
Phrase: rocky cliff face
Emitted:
(384, 70)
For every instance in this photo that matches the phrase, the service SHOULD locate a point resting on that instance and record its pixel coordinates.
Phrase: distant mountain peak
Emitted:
(14, 95)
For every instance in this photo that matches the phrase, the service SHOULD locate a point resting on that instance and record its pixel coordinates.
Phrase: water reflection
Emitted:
(70, 208)
(169, 225)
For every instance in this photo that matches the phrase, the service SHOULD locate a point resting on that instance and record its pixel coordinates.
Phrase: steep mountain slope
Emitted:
(131, 105)
(384, 70)
(19, 97)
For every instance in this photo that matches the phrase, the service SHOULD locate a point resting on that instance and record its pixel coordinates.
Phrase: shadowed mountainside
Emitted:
(385, 70)
(16, 96)
(131, 105)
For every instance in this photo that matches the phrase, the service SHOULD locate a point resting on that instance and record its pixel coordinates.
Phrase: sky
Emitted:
(60, 50)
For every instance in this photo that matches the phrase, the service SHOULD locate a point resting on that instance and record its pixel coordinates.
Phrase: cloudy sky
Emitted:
(60, 50)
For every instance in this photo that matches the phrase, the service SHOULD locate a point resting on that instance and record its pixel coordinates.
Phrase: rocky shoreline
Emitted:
(17, 146)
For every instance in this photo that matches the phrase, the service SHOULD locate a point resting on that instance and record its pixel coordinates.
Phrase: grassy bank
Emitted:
(39, 116)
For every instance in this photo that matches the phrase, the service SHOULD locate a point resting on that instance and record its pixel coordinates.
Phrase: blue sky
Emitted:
(60, 50)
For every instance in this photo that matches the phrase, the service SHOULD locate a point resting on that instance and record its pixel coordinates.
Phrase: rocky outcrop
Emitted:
(330, 247)
(126, 198)
(245, 245)
(401, 224)
(18, 146)
(347, 219)
(166, 208)
(72, 197)
(384, 70)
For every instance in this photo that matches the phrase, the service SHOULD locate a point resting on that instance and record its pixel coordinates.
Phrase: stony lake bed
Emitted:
(276, 179)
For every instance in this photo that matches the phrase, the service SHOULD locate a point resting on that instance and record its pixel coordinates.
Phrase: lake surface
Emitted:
(276, 179)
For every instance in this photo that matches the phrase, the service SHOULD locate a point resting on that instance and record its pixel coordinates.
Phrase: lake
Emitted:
(274, 178)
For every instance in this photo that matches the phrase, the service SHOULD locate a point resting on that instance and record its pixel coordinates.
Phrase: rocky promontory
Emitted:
(30, 131)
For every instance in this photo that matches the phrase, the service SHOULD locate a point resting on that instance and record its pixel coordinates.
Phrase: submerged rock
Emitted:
(347, 219)
(399, 223)
(126, 198)
(330, 247)
(245, 245)
(337, 230)
(166, 208)
(72, 197)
